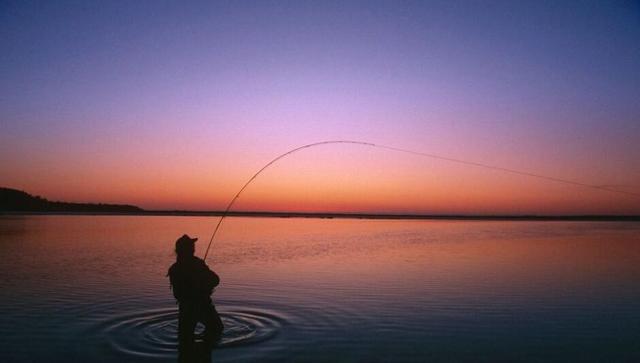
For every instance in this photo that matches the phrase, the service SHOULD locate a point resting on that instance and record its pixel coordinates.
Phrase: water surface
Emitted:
(93, 288)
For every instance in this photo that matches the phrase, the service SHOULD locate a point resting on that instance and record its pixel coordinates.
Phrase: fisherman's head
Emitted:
(185, 246)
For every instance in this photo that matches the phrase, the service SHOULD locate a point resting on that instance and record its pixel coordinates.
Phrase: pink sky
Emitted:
(177, 108)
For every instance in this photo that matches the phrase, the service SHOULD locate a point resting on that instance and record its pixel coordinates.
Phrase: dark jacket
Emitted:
(192, 280)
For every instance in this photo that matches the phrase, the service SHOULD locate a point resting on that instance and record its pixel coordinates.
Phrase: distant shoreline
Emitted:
(17, 202)
(180, 213)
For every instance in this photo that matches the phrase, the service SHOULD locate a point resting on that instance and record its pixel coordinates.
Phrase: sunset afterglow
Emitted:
(177, 107)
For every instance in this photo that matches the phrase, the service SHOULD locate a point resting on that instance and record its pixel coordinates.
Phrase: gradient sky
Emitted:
(176, 104)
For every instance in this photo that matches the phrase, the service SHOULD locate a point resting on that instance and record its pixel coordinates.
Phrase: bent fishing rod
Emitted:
(406, 151)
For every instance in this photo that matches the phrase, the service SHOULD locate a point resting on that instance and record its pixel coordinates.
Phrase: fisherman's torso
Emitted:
(192, 280)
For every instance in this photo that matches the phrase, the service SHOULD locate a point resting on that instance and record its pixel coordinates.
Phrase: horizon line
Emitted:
(345, 215)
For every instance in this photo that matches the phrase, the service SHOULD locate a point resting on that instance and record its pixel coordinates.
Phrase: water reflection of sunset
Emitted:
(326, 279)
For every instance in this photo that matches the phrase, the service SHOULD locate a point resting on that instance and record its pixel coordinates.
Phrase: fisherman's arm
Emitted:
(212, 277)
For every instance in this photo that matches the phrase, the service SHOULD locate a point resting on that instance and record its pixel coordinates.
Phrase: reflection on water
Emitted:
(93, 288)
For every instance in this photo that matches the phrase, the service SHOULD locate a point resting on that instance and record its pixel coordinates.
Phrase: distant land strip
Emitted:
(17, 202)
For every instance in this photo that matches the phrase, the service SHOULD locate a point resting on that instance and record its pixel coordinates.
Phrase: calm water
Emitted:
(93, 288)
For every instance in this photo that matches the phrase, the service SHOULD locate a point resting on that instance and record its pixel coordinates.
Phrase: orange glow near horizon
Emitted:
(342, 179)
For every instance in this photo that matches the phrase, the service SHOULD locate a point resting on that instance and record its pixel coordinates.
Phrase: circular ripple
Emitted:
(153, 333)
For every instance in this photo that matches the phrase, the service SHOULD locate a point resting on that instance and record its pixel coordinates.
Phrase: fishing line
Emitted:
(406, 151)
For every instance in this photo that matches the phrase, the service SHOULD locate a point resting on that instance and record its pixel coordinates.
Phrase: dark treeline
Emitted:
(13, 200)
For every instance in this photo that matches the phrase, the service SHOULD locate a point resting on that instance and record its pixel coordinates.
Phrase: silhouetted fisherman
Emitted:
(193, 282)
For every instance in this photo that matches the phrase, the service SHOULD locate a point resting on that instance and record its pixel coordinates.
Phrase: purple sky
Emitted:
(139, 101)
